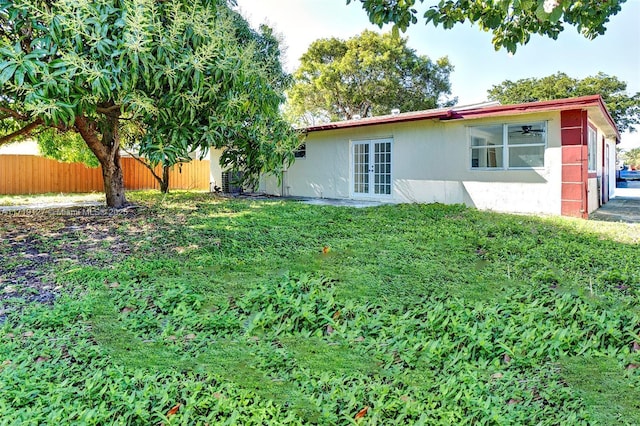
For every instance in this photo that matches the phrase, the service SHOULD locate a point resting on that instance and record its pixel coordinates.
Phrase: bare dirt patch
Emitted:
(34, 243)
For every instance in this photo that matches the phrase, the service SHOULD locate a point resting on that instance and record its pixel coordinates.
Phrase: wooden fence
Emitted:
(30, 174)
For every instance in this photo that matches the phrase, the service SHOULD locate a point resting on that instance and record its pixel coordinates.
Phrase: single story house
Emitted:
(554, 157)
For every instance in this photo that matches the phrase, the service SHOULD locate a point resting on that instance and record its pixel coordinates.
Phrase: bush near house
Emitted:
(194, 309)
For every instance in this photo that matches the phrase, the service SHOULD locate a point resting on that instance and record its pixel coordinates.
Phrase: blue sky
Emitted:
(477, 65)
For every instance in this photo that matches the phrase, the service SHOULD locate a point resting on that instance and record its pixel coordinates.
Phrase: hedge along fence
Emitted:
(29, 174)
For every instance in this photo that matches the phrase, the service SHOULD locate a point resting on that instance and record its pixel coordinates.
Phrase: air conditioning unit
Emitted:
(231, 182)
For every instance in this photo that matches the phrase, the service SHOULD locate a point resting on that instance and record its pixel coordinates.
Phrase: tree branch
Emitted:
(90, 136)
(144, 163)
(25, 130)
(110, 110)
(14, 114)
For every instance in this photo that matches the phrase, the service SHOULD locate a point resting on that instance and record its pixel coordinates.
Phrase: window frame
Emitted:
(592, 149)
(506, 146)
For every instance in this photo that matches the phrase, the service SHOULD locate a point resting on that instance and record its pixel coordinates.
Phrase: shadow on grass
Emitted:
(166, 273)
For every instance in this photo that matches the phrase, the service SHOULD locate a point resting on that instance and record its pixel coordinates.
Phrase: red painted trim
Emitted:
(571, 119)
(441, 114)
(593, 175)
(571, 208)
(575, 180)
(479, 112)
(553, 105)
(572, 125)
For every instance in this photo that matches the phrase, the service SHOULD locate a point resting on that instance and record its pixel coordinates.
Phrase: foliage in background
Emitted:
(367, 75)
(631, 158)
(624, 108)
(512, 22)
(132, 135)
(194, 309)
(232, 86)
(192, 73)
(68, 147)
(8, 125)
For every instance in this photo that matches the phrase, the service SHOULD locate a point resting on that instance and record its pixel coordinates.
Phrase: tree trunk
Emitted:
(107, 151)
(114, 182)
(164, 183)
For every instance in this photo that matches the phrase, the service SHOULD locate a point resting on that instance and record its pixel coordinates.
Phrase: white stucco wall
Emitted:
(593, 202)
(594, 192)
(215, 171)
(431, 163)
(611, 145)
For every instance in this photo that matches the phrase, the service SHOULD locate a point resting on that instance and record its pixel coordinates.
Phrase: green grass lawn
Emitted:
(193, 309)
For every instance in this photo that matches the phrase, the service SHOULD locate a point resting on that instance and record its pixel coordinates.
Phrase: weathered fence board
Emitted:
(30, 174)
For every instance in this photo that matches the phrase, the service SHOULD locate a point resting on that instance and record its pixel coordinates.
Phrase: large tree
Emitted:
(369, 74)
(512, 22)
(624, 108)
(185, 70)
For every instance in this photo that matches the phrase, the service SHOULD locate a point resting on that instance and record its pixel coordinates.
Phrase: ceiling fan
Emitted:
(529, 130)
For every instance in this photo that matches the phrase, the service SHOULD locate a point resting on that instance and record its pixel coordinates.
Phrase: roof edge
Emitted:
(384, 119)
(478, 112)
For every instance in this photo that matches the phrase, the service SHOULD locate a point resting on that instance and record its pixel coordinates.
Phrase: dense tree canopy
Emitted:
(512, 22)
(624, 108)
(192, 74)
(369, 74)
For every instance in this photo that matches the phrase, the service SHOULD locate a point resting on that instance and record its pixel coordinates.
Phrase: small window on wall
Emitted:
(301, 152)
(508, 146)
(486, 147)
(593, 149)
(526, 145)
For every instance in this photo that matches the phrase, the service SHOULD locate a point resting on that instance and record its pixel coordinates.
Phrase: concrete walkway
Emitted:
(338, 202)
(624, 207)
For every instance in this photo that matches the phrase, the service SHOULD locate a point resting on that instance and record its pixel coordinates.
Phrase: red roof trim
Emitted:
(385, 119)
(488, 111)
(556, 104)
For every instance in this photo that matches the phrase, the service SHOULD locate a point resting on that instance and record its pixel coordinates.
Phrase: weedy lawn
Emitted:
(193, 309)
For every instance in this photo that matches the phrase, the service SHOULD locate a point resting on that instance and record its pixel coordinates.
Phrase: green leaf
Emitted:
(7, 72)
(555, 15)
(18, 77)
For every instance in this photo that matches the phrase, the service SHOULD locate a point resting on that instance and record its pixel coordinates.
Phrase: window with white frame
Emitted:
(593, 149)
(508, 146)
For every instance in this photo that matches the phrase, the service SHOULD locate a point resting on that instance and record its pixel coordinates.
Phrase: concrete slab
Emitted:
(627, 191)
(624, 207)
(339, 202)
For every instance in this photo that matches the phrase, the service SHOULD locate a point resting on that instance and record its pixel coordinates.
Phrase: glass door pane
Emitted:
(382, 168)
(361, 168)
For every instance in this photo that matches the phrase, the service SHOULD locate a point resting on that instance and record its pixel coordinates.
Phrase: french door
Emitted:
(371, 161)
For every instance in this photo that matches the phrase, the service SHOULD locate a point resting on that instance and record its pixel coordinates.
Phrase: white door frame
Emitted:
(370, 164)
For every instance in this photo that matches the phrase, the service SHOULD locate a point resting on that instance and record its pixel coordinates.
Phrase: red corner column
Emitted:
(575, 173)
